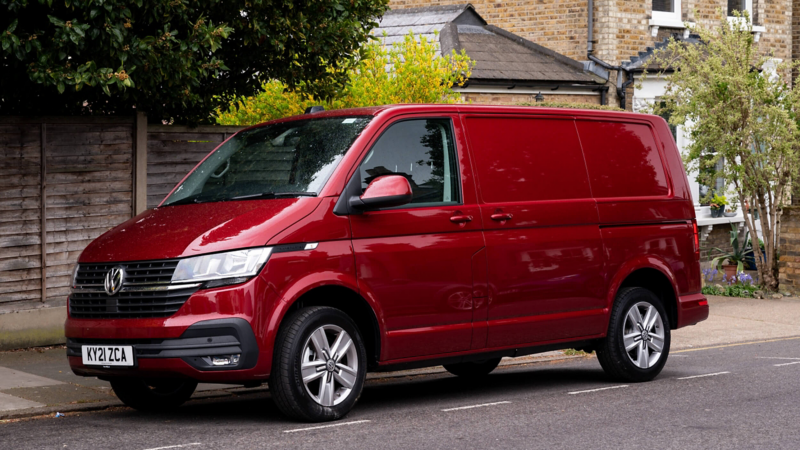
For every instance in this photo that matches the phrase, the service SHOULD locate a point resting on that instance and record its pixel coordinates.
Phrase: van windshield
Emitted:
(288, 159)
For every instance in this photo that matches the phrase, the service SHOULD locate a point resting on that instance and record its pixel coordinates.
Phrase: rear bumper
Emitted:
(183, 356)
(692, 309)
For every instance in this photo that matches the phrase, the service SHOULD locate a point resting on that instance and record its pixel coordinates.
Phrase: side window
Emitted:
(623, 160)
(521, 159)
(421, 150)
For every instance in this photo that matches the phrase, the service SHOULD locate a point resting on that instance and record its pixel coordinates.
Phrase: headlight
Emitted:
(229, 268)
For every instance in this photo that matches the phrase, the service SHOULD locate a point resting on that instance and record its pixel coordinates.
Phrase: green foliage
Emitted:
(175, 59)
(718, 201)
(573, 106)
(732, 290)
(416, 75)
(738, 251)
(739, 108)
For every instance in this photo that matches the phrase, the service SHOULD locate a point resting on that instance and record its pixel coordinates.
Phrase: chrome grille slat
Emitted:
(146, 292)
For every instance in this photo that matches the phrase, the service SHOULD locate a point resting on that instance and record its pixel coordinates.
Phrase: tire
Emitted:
(473, 369)
(302, 346)
(153, 395)
(642, 362)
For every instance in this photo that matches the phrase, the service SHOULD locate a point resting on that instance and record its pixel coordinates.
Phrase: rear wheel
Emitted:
(637, 344)
(473, 369)
(319, 365)
(153, 395)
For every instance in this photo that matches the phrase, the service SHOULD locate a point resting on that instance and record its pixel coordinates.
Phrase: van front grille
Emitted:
(146, 291)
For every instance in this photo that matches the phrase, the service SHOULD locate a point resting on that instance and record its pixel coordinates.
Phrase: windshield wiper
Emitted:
(275, 195)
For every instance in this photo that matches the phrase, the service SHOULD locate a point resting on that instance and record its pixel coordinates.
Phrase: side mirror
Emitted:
(383, 192)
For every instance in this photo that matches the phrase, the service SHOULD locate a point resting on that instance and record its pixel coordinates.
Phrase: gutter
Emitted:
(621, 87)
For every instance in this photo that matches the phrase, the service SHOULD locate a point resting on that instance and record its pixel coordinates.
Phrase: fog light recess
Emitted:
(223, 360)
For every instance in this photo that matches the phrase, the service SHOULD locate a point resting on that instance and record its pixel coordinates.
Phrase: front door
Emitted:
(416, 259)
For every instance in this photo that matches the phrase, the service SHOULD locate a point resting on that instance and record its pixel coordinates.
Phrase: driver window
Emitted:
(424, 153)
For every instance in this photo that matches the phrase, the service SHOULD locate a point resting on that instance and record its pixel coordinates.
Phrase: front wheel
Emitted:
(153, 395)
(637, 344)
(319, 365)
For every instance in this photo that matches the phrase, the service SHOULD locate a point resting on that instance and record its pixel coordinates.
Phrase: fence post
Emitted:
(43, 207)
(140, 164)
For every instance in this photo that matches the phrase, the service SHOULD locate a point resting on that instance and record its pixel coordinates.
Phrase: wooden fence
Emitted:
(93, 174)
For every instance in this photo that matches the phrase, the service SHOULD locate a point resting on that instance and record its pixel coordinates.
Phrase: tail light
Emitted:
(696, 240)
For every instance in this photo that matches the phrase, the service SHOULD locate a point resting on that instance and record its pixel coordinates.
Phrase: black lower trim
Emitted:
(201, 340)
(512, 353)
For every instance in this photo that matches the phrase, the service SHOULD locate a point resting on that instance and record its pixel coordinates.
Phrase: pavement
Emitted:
(38, 382)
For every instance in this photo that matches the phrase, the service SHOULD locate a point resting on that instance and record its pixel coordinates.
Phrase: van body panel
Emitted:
(189, 230)
(541, 225)
(538, 266)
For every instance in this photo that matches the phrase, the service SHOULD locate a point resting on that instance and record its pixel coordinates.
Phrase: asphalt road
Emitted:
(738, 396)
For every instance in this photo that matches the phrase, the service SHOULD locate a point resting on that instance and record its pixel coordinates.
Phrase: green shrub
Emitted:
(416, 74)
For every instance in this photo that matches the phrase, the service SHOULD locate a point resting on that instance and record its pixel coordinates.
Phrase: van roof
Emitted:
(408, 108)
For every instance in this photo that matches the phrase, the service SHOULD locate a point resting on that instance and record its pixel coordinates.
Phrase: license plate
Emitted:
(107, 355)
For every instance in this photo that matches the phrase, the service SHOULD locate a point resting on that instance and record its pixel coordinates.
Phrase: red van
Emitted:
(307, 251)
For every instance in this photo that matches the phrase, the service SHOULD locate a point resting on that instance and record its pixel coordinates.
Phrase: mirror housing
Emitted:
(383, 192)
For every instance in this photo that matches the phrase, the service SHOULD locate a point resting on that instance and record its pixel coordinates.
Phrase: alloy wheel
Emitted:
(329, 365)
(643, 335)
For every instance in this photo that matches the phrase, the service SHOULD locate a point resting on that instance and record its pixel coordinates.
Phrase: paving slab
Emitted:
(10, 379)
(734, 320)
(11, 403)
(61, 394)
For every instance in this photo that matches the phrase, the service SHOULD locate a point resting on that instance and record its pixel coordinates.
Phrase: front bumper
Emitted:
(187, 355)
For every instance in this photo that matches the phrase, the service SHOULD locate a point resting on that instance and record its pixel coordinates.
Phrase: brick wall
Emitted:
(719, 237)
(795, 34)
(789, 248)
(515, 99)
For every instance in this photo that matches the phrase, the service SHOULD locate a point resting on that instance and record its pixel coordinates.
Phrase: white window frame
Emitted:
(668, 19)
(757, 29)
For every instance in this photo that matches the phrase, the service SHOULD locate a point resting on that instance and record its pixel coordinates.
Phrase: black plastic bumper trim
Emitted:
(207, 338)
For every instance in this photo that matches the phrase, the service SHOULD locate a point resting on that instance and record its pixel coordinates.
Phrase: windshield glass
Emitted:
(287, 159)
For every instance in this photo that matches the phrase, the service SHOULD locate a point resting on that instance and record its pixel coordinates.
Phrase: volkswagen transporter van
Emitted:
(307, 251)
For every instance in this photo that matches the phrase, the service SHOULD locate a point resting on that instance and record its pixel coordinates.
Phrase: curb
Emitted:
(237, 391)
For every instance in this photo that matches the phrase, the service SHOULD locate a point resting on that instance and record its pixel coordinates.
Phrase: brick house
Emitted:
(508, 68)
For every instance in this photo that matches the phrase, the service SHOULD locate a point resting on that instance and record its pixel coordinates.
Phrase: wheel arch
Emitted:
(655, 276)
(352, 304)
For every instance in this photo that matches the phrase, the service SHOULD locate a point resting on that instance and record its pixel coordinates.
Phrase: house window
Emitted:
(667, 13)
(741, 6)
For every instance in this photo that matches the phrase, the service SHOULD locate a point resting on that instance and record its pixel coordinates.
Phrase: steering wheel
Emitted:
(227, 166)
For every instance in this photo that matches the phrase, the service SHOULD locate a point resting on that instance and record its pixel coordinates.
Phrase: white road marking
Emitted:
(704, 375)
(474, 406)
(175, 446)
(326, 426)
(598, 389)
(775, 357)
(787, 364)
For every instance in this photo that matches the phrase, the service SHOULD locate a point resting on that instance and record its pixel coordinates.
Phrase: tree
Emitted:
(740, 114)
(416, 74)
(174, 59)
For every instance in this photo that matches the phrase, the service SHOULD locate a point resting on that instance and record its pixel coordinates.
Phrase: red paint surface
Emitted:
(387, 186)
(539, 263)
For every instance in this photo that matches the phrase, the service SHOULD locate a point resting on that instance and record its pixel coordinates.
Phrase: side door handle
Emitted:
(501, 216)
(460, 219)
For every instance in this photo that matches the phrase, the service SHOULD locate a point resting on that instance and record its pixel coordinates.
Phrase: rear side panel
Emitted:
(643, 200)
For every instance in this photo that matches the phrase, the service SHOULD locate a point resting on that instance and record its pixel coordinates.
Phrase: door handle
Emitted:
(461, 219)
(502, 216)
